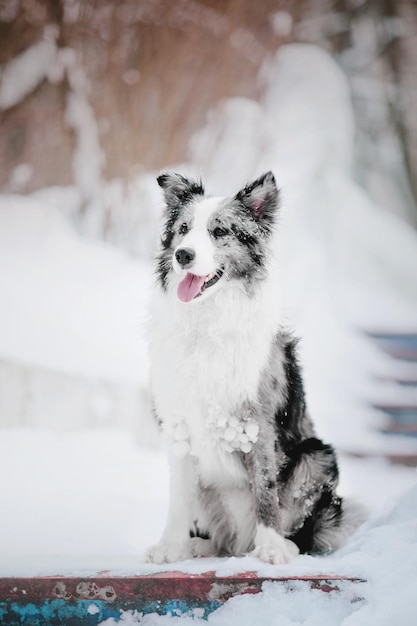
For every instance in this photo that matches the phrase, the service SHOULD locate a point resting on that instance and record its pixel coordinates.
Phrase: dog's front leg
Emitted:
(175, 544)
(270, 544)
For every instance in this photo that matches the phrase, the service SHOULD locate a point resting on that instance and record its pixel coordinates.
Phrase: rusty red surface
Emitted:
(161, 585)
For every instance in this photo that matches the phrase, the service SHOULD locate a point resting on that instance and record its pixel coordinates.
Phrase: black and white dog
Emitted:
(248, 474)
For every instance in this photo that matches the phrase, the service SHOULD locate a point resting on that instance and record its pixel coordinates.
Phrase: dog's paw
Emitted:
(201, 547)
(270, 547)
(169, 552)
(276, 554)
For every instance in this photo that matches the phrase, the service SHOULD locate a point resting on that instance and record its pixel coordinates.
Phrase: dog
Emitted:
(248, 474)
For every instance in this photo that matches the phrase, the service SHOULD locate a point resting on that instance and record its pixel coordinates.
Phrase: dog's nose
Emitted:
(185, 256)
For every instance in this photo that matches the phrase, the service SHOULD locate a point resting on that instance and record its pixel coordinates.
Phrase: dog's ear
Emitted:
(178, 189)
(261, 198)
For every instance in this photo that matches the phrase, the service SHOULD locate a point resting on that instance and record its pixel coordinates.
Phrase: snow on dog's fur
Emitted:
(248, 474)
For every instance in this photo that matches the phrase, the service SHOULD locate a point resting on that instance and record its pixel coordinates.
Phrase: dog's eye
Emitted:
(219, 232)
(184, 229)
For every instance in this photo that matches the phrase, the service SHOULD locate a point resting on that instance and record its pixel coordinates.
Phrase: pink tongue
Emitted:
(189, 287)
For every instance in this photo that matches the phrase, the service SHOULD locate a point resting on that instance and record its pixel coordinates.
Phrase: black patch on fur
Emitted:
(163, 267)
(328, 510)
(311, 447)
(169, 232)
(289, 417)
(251, 242)
(318, 491)
(197, 532)
(180, 187)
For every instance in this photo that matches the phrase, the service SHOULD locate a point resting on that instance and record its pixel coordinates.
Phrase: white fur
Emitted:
(174, 544)
(199, 239)
(206, 355)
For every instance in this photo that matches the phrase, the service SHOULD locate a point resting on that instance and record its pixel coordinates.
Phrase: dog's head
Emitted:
(208, 242)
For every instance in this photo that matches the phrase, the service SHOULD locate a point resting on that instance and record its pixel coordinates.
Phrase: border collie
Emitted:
(248, 474)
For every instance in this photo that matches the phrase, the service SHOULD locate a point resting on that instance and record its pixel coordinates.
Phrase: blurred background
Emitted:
(96, 97)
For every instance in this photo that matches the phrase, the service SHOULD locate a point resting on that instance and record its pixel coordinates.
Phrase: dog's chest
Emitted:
(202, 375)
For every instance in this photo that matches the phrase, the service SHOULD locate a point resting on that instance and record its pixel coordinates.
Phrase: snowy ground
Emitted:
(100, 514)
(90, 500)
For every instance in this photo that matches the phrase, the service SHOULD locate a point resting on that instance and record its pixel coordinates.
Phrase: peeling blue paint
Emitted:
(55, 613)
(92, 612)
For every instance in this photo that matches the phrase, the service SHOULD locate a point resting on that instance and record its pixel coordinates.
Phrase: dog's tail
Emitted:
(332, 532)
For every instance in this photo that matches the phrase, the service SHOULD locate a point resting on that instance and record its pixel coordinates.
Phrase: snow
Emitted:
(24, 73)
(282, 23)
(89, 500)
(101, 513)
(84, 518)
(68, 304)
